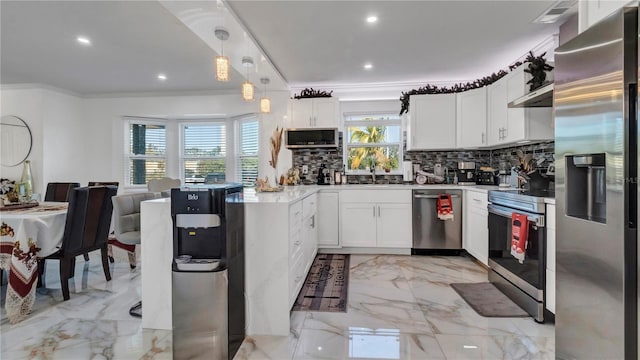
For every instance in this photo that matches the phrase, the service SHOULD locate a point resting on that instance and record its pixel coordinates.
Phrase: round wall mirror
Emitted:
(16, 140)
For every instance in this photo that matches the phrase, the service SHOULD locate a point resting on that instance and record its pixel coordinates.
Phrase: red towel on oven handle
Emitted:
(445, 207)
(519, 234)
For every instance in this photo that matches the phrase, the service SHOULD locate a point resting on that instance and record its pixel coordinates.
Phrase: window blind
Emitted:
(204, 148)
(247, 159)
(146, 158)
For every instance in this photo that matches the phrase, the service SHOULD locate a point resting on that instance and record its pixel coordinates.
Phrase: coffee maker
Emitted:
(324, 175)
(466, 173)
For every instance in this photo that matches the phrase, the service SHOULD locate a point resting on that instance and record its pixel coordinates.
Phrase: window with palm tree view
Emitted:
(373, 140)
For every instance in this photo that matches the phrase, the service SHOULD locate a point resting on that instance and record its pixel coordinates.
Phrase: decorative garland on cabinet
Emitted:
(310, 93)
(537, 68)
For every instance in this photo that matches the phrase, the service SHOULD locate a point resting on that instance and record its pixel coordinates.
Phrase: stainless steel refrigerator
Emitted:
(595, 101)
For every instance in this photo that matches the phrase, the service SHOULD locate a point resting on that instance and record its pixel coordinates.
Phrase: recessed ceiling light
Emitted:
(368, 66)
(371, 19)
(83, 40)
(162, 77)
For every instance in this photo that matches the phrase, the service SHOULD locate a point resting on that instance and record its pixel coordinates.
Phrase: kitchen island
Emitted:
(279, 249)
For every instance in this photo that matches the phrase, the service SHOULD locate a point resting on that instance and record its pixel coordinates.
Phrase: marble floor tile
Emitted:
(447, 313)
(399, 307)
(264, 347)
(496, 347)
(374, 267)
(364, 343)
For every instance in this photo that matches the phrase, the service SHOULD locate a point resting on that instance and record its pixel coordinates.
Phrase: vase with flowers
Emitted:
(276, 144)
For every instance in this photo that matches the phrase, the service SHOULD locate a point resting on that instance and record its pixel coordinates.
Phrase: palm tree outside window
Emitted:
(373, 140)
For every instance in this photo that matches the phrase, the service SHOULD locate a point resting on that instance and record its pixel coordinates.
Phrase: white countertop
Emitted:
(292, 194)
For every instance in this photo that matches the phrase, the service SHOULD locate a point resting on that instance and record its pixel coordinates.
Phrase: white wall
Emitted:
(105, 118)
(27, 105)
(56, 124)
(64, 139)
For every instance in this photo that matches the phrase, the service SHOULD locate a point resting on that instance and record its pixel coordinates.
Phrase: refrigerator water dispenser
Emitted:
(586, 187)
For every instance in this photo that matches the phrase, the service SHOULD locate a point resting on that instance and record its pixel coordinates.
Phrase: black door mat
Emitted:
(325, 288)
(488, 301)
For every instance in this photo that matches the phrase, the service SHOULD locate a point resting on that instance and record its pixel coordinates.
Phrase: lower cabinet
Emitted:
(359, 224)
(328, 219)
(383, 223)
(393, 225)
(475, 236)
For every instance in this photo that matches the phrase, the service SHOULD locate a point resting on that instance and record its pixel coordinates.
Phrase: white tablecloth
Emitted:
(25, 235)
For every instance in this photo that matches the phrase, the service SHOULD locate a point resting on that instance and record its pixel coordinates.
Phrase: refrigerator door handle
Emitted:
(633, 156)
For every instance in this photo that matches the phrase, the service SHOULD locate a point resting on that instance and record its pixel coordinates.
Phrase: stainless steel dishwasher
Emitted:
(430, 234)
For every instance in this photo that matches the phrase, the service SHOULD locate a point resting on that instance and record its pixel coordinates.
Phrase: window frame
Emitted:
(386, 122)
(238, 156)
(128, 156)
(182, 124)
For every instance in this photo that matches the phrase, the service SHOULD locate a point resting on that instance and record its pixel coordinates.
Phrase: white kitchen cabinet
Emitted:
(314, 113)
(328, 219)
(511, 125)
(551, 258)
(393, 225)
(471, 116)
(359, 224)
(376, 218)
(591, 12)
(475, 234)
(432, 122)
(310, 227)
(497, 111)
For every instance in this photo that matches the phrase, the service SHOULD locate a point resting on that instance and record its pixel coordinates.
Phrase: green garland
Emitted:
(537, 68)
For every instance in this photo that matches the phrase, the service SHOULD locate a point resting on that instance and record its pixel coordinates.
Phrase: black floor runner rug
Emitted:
(325, 288)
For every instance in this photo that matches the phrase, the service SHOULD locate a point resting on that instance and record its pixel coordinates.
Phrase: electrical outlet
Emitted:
(305, 169)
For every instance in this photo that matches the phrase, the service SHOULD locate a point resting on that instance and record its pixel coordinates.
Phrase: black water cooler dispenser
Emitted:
(208, 310)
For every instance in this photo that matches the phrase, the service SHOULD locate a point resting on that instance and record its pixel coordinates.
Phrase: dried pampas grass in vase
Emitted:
(276, 144)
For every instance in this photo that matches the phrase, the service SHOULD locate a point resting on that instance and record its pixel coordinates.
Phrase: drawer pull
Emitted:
(298, 242)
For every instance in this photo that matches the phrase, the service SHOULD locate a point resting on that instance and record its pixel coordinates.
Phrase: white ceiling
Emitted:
(327, 42)
(310, 42)
(132, 42)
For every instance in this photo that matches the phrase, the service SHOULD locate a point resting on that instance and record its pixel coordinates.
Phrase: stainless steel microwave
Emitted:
(311, 138)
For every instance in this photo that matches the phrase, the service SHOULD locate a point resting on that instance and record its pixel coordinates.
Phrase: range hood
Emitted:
(542, 97)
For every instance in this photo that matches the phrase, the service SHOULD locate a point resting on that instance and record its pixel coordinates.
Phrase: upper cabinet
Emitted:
(432, 122)
(510, 125)
(472, 118)
(314, 113)
(590, 12)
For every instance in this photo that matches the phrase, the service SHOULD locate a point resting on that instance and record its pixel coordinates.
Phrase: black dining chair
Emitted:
(59, 191)
(100, 183)
(86, 229)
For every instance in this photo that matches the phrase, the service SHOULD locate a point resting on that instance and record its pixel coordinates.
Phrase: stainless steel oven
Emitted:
(523, 282)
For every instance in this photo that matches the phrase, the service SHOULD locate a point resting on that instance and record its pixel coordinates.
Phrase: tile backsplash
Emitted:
(332, 158)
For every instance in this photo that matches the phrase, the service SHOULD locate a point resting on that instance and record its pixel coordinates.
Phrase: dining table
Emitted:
(27, 233)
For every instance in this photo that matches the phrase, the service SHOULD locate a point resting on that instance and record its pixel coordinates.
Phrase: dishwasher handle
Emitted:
(417, 196)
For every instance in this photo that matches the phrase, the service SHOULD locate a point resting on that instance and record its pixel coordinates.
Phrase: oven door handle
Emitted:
(506, 212)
